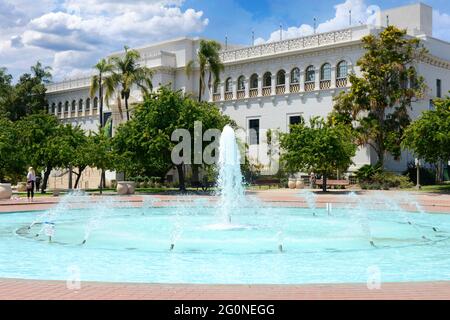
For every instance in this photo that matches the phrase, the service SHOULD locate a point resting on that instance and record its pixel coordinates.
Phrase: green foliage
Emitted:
(27, 96)
(428, 137)
(367, 172)
(377, 103)
(124, 72)
(319, 147)
(12, 162)
(143, 146)
(209, 61)
(386, 181)
(427, 175)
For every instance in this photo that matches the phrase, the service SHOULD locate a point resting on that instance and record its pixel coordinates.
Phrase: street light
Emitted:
(418, 186)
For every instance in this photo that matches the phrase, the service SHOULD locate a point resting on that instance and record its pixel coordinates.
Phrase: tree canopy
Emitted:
(143, 145)
(319, 147)
(428, 137)
(378, 102)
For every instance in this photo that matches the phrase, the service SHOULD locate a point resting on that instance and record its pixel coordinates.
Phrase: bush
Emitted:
(380, 180)
(367, 172)
(427, 175)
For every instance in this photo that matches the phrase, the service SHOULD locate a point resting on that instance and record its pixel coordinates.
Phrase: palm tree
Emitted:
(126, 72)
(99, 81)
(42, 73)
(209, 61)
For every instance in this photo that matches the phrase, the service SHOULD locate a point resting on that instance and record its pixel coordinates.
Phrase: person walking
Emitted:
(31, 180)
(312, 180)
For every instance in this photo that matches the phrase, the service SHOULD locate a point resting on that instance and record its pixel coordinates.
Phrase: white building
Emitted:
(268, 86)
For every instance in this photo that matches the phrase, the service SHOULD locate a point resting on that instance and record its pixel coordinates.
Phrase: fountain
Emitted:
(230, 177)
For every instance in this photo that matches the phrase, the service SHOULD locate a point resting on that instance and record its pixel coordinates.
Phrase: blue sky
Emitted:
(71, 35)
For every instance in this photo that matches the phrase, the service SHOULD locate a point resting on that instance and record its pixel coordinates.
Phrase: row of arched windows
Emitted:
(74, 106)
(310, 76)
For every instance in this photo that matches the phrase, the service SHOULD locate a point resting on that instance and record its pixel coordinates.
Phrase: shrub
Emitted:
(427, 175)
(367, 172)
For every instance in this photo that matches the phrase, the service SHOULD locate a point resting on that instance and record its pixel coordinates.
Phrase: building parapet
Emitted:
(316, 40)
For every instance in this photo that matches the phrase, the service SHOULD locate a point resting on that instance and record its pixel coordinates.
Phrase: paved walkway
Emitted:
(430, 202)
(11, 289)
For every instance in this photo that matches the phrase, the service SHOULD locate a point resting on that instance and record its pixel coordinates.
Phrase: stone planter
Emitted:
(5, 191)
(122, 188)
(299, 184)
(292, 183)
(22, 187)
(131, 187)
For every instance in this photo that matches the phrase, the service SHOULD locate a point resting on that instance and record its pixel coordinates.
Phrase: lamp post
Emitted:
(418, 186)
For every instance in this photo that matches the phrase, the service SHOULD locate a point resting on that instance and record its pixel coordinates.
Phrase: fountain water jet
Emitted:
(230, 182)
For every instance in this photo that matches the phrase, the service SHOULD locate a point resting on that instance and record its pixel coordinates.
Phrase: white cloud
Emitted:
(360, 14)
(85, 30)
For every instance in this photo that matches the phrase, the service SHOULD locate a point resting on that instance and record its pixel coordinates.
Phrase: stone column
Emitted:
(287, 81)
(273, 84)
(222, 91)
(234, 88)
(302, 80)
(247, 87)
(333, 77)
(260, 83)
(317, 79)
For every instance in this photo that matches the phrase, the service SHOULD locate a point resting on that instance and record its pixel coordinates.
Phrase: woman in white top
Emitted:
(31, 180)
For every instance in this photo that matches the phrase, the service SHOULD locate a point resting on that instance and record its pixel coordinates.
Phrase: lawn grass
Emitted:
(441, 188)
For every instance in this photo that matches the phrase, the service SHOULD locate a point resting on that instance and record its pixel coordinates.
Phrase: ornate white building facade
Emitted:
(269, 86)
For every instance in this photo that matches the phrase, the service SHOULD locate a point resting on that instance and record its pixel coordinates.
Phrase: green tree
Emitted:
(125, 73)
(209, 64)
(12, 164)
(47, 144)
(143, 145)
(6, 90)
(320, 147)
(28, 95)
(99, 82)
(378, 102)
(428, 137)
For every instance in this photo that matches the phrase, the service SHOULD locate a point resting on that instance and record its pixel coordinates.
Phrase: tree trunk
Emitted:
(181, 178)
(80, 171)
(200, 85)
(45, 181)
(126, 108)
(100, 93)
(101, 182)
(103, 179)
(324, 183)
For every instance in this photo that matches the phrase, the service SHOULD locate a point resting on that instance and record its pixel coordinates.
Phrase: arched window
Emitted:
(281, 78)
(66, 107)
(325, 72)
(267, 80)
(95, 103)
(342, 70)
(88, 104)
(310, 75)
(74, 106)
(228, 87)
(241, 83)
(80, 105)
(254, 81)
(59, 107)
(53, 108)
(295, 76)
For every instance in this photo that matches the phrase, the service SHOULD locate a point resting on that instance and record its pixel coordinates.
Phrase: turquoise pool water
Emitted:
(132, 245)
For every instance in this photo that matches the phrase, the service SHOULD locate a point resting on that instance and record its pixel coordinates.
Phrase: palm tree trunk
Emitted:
(200, 85)
(126, 108)
(100, 94)
(181, 178)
